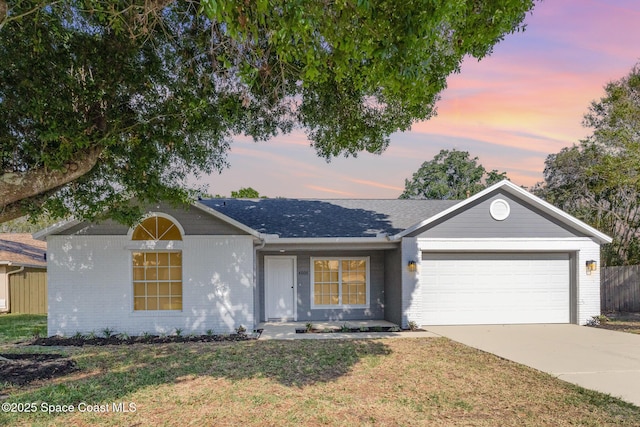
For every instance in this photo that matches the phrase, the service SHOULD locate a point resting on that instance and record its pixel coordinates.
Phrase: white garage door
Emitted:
(494, 288)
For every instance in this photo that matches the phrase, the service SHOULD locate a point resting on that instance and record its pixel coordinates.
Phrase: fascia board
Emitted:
(557, 213)
(55, 228)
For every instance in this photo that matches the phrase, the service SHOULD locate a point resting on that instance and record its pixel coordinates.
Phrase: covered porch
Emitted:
(329, 286)
(367, 329)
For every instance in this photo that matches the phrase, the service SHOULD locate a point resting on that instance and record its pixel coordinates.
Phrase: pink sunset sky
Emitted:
(510, 110)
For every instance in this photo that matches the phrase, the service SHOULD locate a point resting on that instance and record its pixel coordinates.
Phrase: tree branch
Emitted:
(21, 207)
(4, 12)
(25, 185)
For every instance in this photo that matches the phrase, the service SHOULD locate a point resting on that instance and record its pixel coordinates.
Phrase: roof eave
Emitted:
(22, 264)
(55, 228)
(346, 243)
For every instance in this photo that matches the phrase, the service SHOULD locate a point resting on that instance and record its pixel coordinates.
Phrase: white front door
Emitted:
(280, 287)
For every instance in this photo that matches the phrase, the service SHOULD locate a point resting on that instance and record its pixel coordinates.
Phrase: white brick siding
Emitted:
(90, 286)
(588, 284)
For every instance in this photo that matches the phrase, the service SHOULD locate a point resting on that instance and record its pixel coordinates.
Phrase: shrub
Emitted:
(597, 320)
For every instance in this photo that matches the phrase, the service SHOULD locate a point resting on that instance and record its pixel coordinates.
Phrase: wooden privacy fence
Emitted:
(28, 291)
(620, 288)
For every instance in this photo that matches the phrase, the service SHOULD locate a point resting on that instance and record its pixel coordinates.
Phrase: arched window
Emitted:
(156, 228)
(157, 274)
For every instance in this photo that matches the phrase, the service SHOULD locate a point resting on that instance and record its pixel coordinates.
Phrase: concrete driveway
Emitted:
(597, 359)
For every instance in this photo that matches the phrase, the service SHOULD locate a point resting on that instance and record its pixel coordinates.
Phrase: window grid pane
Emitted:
(157, 281)
(340, 282)
(326, 282)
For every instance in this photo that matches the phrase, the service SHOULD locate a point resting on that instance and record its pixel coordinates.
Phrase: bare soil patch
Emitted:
(22, 369)
(621, 321)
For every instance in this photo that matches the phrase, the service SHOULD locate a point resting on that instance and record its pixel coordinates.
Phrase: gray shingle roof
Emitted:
(328, 218)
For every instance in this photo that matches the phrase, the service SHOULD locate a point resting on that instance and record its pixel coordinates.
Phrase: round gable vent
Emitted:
(499, 209)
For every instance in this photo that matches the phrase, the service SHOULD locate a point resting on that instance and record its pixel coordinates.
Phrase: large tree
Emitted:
(246, 193)
(451, 175)
(598, 180)
(103, 103)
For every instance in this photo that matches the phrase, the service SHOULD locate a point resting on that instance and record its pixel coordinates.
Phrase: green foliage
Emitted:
(601, 318)
(451, 175)
(26, 225)
(598, 180)
(363, 69)
(245, 193)
(154, 91)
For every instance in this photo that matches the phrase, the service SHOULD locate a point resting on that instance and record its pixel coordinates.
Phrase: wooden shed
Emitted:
(23, 274)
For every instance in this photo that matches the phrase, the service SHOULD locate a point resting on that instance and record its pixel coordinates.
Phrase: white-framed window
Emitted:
(339, 282)
(157, 274)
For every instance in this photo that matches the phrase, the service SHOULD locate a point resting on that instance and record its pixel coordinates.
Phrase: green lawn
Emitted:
(20, 327)
(392, 382)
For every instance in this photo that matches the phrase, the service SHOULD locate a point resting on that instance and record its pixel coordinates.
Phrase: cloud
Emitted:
(377, 184)
(330, 190)
(512, 110)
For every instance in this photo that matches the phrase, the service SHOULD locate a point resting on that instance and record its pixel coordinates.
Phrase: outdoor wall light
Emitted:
(412, 266)
(591, 266)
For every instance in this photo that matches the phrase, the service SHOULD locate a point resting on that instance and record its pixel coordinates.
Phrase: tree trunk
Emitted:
(4, 8)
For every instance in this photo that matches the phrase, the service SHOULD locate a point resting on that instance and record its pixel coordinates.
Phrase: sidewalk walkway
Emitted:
(287, 330)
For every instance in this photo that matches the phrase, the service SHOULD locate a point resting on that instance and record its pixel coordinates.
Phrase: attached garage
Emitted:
(495, 288)
(502, 256)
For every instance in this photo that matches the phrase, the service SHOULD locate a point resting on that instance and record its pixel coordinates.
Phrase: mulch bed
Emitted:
(142, 339)
(25, 368)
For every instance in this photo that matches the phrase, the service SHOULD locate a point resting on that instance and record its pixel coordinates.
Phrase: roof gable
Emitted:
(196, 219)
(545, 210)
